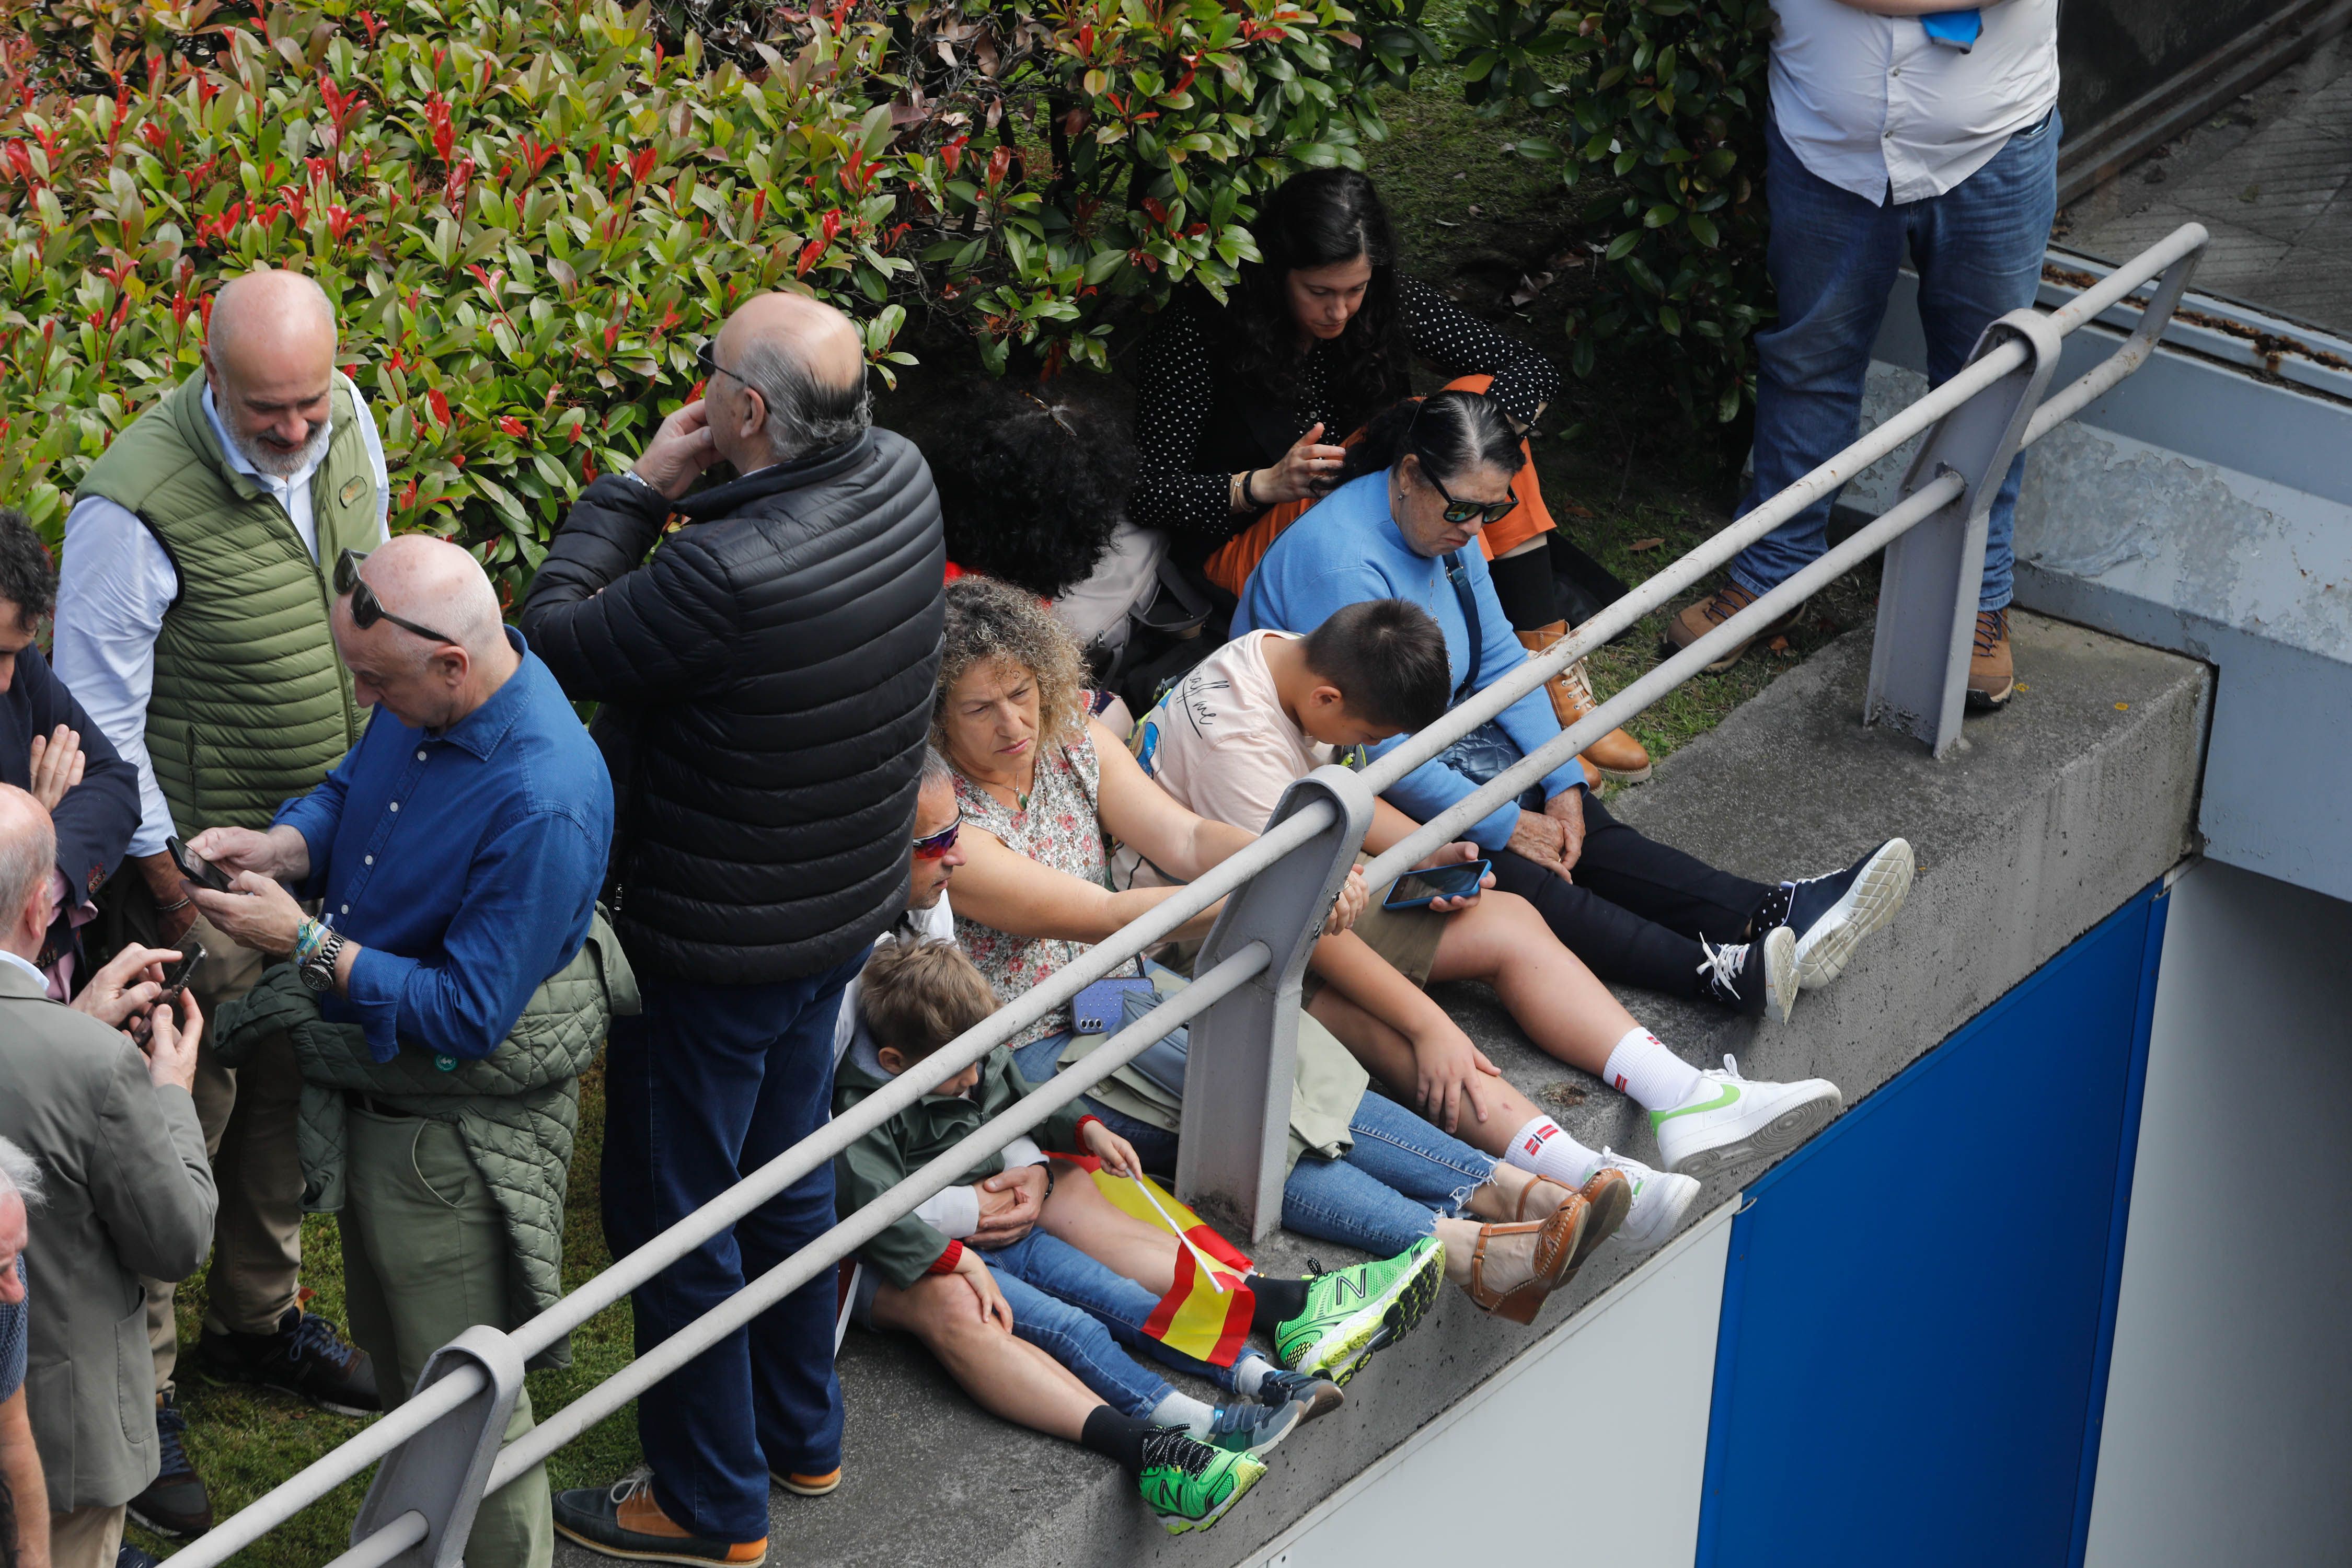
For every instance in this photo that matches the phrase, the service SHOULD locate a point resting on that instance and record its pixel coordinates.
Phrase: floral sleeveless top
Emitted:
(1062, 828)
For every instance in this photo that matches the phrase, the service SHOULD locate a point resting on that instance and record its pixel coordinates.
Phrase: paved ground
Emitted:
(2271, 177)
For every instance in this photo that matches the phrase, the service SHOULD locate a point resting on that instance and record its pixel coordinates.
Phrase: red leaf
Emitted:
(440, 406)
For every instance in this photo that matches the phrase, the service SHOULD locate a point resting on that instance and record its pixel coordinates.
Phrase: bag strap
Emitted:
(1459, 576)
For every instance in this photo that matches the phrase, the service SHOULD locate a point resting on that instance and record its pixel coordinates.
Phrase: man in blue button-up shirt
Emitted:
(457, 852)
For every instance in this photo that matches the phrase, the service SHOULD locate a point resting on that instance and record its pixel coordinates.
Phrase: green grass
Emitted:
(246, 1441)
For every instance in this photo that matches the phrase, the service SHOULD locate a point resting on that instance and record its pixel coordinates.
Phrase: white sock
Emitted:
(1249, 1374)
(1547, 1149)
(1183, 1410)
(1641, 1066)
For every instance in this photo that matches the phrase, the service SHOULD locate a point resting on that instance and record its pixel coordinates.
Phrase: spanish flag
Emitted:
(1206, 1313)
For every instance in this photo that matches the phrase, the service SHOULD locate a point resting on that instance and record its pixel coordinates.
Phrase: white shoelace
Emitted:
(1729, 1072)
(1725, 961)
(630, 1485)
(1578, 685)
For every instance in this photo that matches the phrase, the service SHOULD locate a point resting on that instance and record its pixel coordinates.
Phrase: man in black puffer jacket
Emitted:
(768, 678)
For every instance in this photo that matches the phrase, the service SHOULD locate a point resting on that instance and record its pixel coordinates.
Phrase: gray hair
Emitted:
(25, 858)
(804, 415)
(20, 1174)
(935, 771)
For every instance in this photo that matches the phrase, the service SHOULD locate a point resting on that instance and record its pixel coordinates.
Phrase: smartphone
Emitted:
(175, 978)
(196, 869)
(1416, 889)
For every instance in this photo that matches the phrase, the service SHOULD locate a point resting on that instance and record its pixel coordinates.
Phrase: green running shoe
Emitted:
(1189, 1485)
(1352, 1312)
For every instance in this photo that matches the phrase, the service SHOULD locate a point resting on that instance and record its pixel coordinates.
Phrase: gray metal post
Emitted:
(441, 1471)
(1232, 1156)
(1927, 597)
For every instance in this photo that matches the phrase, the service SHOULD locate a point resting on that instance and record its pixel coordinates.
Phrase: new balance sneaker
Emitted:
(1661, 1198)
(1830, 914)
(1320, 1394)
(1352, 1312)
(175, 1503)
(1189, 1485)
(1253, 1428)
(624, 1520)
(307, 1357)
(1752, 977)
(1728, 1118)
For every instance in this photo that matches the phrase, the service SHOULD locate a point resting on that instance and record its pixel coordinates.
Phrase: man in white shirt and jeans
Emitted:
(1922, 126)
(191, 623)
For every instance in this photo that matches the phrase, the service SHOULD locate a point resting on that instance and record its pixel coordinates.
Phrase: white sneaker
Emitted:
(1661, 1198)
(1728, 1118)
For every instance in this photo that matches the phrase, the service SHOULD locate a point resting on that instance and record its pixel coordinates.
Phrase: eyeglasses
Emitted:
(706, 357)
(1487, 512)
(940, 843)
(367, 608)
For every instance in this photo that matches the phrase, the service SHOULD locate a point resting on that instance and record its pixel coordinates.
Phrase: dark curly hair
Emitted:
(27, 578)
(1032, 480)
(1321, 218)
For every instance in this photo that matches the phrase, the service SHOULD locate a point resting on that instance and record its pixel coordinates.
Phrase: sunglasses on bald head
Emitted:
(940, 843)
(367, 608)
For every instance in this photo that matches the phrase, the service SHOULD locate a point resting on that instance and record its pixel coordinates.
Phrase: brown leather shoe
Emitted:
(1615, 755)
(1591, 773)
(1696, 620)
(1992, 675)
(1556, 1243)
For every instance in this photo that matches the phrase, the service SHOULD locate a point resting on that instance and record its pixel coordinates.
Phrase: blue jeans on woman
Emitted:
(1387, 1192)
(1834, 256)
(1073, 1307)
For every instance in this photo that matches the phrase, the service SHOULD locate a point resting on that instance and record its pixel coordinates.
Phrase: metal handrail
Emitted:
(438, 1401)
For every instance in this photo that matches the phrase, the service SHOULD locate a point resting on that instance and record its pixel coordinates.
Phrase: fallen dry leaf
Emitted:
(1639, 545)
(1529, 288)
(1563, 1093)
(1779, 645)
(1474, 209)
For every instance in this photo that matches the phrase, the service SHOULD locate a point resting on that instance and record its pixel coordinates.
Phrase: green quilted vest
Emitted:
(252, 704)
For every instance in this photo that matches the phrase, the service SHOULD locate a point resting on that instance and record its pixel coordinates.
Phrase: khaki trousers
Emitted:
(248, 1117)
(425, 1256)
(88, 1537)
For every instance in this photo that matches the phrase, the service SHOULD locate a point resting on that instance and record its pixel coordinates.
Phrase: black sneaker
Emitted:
(1832, 915)
(1750, 976)
(175, 1504)
(130, 1556)
(306, 1357)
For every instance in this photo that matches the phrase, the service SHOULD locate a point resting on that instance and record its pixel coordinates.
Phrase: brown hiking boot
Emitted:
(1615, 755)
(1992, 675)
(1696, 620)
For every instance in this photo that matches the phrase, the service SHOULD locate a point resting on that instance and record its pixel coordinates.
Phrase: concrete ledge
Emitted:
(2051, 816)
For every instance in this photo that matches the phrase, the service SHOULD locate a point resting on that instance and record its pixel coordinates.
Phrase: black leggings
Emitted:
(1637, 908)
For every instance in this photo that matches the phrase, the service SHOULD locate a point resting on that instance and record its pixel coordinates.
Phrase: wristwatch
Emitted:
(318, 969)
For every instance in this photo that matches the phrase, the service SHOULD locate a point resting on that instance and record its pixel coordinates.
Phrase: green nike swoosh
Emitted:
(1730, 1093)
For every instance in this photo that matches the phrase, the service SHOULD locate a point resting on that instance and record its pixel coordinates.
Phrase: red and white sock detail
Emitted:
(1641, 1066)
(1544, 1147)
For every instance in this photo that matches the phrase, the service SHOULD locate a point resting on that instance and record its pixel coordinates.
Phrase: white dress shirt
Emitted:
(115, 583)
(30, 967)
(1869, 104)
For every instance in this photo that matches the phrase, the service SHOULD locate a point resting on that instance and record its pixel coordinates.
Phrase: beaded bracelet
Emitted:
(308, 937)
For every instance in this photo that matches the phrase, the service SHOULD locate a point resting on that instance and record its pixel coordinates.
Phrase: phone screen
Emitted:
(1444, 882)
(195, 868)
(175, 978)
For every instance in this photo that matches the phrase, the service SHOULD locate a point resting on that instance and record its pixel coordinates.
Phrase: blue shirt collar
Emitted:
(481, 730)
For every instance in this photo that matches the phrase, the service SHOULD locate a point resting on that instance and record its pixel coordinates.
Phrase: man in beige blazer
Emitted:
(109, 1121)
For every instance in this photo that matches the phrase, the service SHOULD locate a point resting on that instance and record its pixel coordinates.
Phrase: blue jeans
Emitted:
(1834, 256)
(705, 1086)
(1383, 1194)
(1073, 1307)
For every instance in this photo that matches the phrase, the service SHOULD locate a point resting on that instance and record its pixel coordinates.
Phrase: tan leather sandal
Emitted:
(1557, 1240)
(1528, 1190)
(1610, 1198)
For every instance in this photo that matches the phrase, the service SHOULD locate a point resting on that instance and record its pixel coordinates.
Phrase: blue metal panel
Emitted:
(1918, 1304)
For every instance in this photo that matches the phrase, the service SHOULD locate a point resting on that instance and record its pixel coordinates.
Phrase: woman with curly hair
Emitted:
(1244, 408)
(1039, 784)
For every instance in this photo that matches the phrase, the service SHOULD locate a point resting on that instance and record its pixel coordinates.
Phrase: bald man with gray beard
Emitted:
(192, 624)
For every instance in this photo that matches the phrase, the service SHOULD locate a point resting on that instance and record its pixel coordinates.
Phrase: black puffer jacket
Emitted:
(774, 662)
